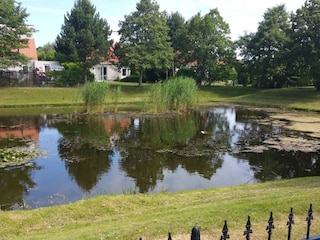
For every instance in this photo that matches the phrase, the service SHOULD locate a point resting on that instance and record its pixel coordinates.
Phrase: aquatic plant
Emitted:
(94, 94)
(176, 94)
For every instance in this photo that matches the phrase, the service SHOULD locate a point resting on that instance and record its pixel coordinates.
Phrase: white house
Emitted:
(107, 71)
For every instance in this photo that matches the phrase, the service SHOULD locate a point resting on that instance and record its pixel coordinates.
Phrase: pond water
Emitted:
(86, 156)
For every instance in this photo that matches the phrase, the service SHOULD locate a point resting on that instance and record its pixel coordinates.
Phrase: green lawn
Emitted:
(151, 216)
(136, 98)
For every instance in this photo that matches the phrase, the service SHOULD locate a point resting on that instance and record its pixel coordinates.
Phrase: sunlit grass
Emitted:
(137, 98)
(152, 216)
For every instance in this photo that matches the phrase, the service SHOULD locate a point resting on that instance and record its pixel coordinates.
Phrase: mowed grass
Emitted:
(136, 98)
(152, 216)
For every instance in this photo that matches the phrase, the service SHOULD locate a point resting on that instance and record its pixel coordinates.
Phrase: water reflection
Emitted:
(90, 155)
(15, 184)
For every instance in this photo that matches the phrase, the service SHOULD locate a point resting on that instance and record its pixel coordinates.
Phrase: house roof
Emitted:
(30, 51)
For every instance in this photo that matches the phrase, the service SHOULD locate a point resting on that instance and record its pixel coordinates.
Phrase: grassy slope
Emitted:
(152, 216)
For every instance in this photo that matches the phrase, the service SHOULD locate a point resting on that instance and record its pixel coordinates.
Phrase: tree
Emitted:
(144, 42)
(83, 38)
(208, 46)
(306, 41)
(46, 52)
(267, 49)
(13, 33)
(176, 24)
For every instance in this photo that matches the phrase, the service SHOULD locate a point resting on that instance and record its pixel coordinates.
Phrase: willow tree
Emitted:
(13, 33)
(84, 37)
(144, 41)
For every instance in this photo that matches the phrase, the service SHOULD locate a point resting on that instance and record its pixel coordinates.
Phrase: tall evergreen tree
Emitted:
(144, 39)
(13, 33)
(84, 37)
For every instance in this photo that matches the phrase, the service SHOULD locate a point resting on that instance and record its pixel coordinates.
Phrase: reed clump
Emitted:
(177, 94)
(94, 94)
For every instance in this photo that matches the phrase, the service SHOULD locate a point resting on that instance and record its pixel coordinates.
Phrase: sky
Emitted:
(47, 16)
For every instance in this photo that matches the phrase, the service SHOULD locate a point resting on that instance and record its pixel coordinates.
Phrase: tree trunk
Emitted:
(173, 70)
(85, 76)
(140, 78)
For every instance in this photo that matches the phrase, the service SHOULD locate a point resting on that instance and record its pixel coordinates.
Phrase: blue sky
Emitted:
(47, 16)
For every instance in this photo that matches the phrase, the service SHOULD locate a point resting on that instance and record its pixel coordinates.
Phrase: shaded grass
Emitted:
(152, 216)
(292, 98)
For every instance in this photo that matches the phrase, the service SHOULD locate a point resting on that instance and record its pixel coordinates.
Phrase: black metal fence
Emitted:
(195, 232)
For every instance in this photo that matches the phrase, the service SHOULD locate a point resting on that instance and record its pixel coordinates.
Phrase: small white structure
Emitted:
(106, 71)
(45, 66)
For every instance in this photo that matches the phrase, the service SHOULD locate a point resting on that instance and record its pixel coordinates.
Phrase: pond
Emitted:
(89, 155)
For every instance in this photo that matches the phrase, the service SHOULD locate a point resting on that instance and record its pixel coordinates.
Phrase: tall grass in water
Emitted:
(176, 94)
(94, 94)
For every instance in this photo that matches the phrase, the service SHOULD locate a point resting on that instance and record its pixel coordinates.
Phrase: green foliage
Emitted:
(94, 94)
(305, 49)
(13, 25)
(72, 75)
(264, 52)
(144, 42)
(46, 52)
(176, 24)
(131, 78)
(208, 46)
(17, 155)
(84, 37)
(176, 94)
(186, 72)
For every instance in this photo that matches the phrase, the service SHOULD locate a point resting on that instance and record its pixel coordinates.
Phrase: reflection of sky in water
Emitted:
(232, 172)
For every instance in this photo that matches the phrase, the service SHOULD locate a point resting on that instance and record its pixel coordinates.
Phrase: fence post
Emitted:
(248, 230)
(289, 223)
(270, 226)
(309, 219)
(195, 233)
(225, 234)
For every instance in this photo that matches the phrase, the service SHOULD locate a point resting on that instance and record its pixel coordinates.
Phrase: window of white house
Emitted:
(124, 72)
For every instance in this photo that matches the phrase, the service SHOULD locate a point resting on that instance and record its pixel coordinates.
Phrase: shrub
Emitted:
(72, 75)
(94, 94)
(175, 94)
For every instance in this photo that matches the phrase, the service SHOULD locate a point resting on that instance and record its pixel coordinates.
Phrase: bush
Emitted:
(186, 72)
(94, 94)
(72, 75)
(131, 78)
(175, 94)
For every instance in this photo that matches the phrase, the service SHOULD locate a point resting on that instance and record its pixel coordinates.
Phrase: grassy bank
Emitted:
(135, 98)
(152, 216)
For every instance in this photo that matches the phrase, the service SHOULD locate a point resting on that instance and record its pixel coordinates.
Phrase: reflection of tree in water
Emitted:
(85, 148)
(178, 142)
(14, 183)
(88, 171)
(162, 132)
(273, 164)
(145, 166)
